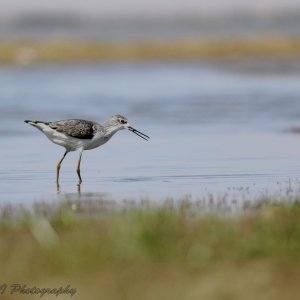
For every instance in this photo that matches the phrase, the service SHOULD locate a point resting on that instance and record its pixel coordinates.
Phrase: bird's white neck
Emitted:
(110, 129)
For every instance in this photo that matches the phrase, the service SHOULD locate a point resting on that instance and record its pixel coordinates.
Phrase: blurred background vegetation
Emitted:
(139, 30)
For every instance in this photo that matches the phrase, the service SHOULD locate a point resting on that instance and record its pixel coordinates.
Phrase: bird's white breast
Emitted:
(98, 140)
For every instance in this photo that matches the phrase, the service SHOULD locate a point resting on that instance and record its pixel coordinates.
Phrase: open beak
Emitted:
(140, 134)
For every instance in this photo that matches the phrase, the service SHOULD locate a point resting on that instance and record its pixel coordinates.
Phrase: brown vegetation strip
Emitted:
(69, 52)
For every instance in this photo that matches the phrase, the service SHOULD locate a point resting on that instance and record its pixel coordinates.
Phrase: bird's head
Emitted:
(119, 122)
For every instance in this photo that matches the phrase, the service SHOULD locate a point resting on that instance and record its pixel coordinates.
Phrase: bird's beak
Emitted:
(140, 134)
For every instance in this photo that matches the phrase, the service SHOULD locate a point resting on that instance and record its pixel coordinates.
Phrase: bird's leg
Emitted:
(58, 168)
(78, 167)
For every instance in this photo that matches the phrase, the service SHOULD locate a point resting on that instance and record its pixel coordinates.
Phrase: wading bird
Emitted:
(76, 134)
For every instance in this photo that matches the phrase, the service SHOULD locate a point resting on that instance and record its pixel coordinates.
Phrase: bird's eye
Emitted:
(123, 121)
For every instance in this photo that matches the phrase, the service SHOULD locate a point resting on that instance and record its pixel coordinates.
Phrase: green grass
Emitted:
(152, 251)
(72, 52)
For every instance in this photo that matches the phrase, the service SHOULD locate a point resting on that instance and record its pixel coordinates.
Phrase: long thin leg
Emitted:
(58, 167)
(78, 167)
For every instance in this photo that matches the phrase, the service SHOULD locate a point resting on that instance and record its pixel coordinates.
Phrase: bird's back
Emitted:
(76, 128)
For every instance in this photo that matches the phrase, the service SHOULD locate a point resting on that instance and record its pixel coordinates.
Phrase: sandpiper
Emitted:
(77, 134)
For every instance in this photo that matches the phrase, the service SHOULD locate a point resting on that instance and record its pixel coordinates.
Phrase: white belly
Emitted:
(70, 143)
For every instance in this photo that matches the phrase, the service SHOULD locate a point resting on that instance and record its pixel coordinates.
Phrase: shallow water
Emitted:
(216, 129)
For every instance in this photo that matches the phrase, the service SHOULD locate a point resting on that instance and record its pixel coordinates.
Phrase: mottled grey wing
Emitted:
(79, 129)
